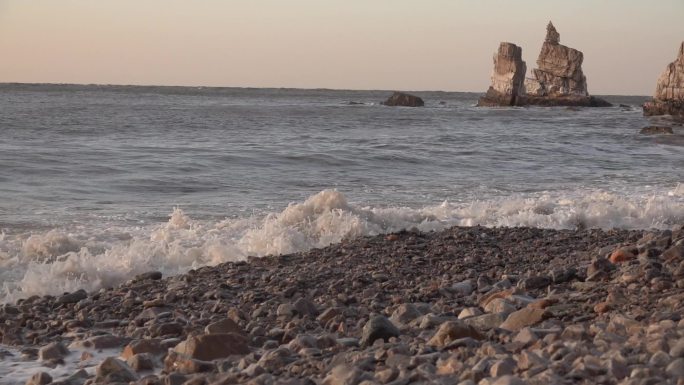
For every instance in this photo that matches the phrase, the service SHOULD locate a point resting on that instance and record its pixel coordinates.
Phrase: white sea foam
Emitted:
(63, 260)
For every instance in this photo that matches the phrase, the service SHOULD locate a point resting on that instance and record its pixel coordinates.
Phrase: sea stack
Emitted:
(669, 95)
(558, 80)
(507, 78)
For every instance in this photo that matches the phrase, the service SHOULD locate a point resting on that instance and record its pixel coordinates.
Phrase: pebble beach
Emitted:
(466, 305)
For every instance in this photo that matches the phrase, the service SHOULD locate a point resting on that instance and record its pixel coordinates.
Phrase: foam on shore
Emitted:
(66, 259)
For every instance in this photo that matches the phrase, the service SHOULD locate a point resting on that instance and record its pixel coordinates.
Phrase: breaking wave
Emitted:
(62, 260)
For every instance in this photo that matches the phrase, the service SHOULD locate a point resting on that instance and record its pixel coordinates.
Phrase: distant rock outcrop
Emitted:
(558, 80)
(507, 78)
(560, 68)
(669, 95)
(400, 99)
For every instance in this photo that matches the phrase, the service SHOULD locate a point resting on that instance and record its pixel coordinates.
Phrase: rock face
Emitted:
(400, 99)
(669, 95)
(560, 67)
(507, 78)
(558, 80)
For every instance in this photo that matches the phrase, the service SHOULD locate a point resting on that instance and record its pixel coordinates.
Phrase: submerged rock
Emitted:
(558, 80)
(669, 95)
(654, 130)
(400, 99)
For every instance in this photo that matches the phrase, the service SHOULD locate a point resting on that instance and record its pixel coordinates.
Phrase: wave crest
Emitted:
(58, 261)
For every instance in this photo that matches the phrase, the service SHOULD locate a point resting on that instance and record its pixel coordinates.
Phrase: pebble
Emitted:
(378, 327)
(523, 317)
(676, 368)
(208, 347)
(677, 350)
(500, 305)
(140, 362)
(226, 325)
(464, 288)
(453, 330)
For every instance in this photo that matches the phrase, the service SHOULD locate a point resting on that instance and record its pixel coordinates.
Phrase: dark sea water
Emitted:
(98, 183)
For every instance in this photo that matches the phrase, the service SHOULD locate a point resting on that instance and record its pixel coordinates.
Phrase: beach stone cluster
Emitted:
(467, 305)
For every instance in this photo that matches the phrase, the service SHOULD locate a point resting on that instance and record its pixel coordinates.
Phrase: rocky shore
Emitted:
(464, 306)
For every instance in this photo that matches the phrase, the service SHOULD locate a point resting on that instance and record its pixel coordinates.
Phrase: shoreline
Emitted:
(471, 304)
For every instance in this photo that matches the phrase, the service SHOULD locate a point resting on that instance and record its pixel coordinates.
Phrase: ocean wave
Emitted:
(63, 260)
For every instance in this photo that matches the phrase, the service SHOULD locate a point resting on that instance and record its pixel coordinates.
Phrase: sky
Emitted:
(344, 44)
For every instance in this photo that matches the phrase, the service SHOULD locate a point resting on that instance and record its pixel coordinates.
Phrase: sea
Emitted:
(101, 183)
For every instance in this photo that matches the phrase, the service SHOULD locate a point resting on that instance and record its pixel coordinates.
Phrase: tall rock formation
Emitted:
(669, 95)
(507, 78)
(558, 80)
(560, 67)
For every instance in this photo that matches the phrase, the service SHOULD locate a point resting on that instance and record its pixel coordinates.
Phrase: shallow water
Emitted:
(100, 183)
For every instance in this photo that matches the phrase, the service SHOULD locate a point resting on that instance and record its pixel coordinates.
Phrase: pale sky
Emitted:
(348, 44)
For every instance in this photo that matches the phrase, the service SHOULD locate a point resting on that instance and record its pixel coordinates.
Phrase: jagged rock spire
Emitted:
(552, 36)
(671, 82)
(669, 94)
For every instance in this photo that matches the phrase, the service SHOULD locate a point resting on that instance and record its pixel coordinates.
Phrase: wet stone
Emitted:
(40, 378)
(73, 297)
(53, 351)
(151, 275)
(141, 362)
(114, 370)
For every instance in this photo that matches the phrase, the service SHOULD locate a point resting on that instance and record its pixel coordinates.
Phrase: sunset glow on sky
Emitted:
(352, 44)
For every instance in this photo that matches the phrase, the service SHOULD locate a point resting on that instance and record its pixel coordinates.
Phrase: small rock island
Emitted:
(558, 80)
(402, 99)
(669, 95)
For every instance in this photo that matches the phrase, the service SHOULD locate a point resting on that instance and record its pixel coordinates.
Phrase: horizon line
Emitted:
(262, 88)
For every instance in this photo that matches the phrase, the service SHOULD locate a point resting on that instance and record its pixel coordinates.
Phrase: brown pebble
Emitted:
(602, 307)
(622, 254)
